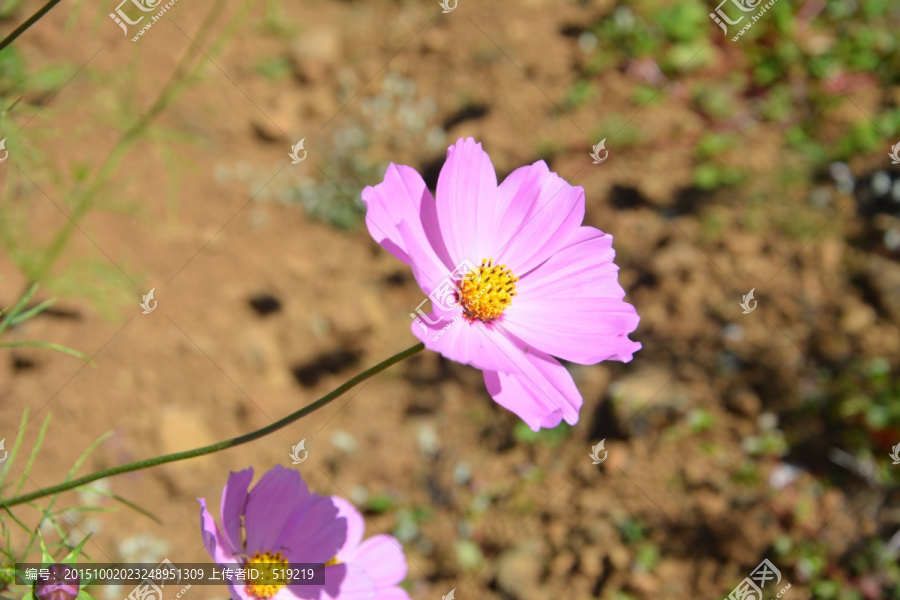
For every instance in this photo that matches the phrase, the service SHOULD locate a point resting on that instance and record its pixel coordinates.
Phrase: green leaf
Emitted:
(34, 452)
(51, 346)
(72, 557)
(17, 308)
(46, 559)
(32, 312)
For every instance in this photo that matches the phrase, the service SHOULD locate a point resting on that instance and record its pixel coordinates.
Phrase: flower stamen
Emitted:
(486, 291)
(267, 581)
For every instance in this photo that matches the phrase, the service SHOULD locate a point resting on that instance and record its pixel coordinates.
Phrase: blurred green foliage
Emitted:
(804, 72)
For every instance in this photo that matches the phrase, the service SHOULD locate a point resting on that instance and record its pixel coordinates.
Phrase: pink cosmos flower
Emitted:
(374, 567)
(514, 277)
(278, 522)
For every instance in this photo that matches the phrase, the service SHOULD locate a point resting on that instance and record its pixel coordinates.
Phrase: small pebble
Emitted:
(587, 42)
(767, 421)
(344, 441)
(881, 183)
(733, 333)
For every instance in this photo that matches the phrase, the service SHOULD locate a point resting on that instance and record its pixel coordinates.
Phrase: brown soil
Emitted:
(206, 365)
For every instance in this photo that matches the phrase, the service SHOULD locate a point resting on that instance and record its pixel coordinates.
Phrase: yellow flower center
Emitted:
(486, 291)
(267, 581)
(333, 561)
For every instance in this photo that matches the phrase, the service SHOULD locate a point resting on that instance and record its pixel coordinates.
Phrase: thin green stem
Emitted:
(84, 200)
(31, 21)
(224, 445)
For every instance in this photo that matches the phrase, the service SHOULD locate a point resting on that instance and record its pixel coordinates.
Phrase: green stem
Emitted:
(218, 447)
(31, 21)
(84, 200)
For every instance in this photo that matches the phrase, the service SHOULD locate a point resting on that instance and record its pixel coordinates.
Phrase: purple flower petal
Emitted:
(541, 392)
(392, 593)
(356, 584)
(403, 198)
(428, 269)
(315, 533)
(571, 305)
(356, 525)
(271, 503)
(539, 211)
(468, 343)
(466, 189)
(216, 544)
(233, 505)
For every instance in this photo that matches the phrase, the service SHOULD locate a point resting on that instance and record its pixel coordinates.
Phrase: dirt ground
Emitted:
(262, 309)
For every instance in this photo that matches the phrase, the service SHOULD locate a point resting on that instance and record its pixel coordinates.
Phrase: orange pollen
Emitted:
(486, 291)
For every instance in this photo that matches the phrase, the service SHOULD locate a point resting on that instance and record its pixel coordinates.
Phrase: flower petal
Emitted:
(216, 545)
(233, 504)
(537, 213)
(381, 556)
(356, 584)
(541, 392)
(428, 268)
(392, 593)
(314, 533)
(466, 191)
(356, 526)
(239, 592)
(403, 198)
(571, 306)
(456, 339)
(271, 504)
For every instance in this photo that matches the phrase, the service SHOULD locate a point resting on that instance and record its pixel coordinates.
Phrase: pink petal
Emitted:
(466, 191)
(381, 556)
(392, 593)
(356, 585)
(356, 526)
(537, 213)
(403, 198)
(233, 504)
(334, 578)
(541, 392)
(571, 305)
(428, 268)
(216, 545)
(467, 343)
(238, 592)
